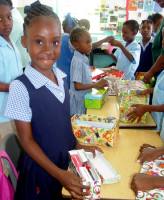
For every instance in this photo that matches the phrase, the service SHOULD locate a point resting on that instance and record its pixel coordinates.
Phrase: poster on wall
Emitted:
(132, 5)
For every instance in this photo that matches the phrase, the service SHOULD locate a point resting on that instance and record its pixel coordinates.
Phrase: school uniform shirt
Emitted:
(19, 96)
(158, 98)
(10, 68)
(81, 73)
(66, 54)
(146, 60)
(124, 64)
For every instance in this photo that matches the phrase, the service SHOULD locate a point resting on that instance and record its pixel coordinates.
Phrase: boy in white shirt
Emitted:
(128, 55)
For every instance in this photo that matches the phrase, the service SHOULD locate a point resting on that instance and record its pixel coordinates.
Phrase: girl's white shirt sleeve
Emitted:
(18, 104)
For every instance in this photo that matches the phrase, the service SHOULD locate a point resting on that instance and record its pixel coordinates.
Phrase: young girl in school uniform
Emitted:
(39, 103)
(10, 63)
(80, 73)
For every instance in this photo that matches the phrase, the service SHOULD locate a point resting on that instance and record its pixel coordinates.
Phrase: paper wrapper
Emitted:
(125, 87)
(154, 168)
(127, 96)
(91, 129)
(126, 103)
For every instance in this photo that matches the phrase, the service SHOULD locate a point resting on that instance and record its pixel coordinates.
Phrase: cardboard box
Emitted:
(111, 72)
(95, 99)
(125, 105)
(127, 91)
(129, 87)
(82, 166)
(92, 129)
(94, 171)
(153, 168)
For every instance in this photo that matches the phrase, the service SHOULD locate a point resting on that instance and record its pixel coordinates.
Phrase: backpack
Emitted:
(8, 177)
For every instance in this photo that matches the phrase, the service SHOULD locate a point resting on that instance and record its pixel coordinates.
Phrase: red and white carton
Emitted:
(94, 171)
(88, 174)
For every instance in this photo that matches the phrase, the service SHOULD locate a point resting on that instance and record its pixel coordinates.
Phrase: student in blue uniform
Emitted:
(39, 104)
(10, 63)
(64, 60)
(127, 56)
(146, 60)
(80, 73)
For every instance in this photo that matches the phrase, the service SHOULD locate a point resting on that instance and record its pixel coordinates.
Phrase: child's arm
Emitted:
(158, 65)
(70, 181)
(124, 50)
(98, 43)
(99, 84)
(140, 109)
(150, 154)
(4, 87)
(144, 182)
(145, 92)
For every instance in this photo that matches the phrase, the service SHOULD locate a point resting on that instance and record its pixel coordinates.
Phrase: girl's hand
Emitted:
(74, 185)
(144, 92)
(115, 43)
(90, 148)
(146, 146)
(147, 77)
(109, 39)
(137, 112)
(101, 84)
(142, 182)
(92, 68)
(148, 154)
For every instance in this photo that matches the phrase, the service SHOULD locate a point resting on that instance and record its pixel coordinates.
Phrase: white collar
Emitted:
(38, 80)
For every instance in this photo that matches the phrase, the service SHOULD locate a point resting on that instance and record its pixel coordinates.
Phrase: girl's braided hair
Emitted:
(37, 9)
(6, 3)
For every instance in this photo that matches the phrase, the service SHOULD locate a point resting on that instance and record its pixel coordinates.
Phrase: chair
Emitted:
(10, 144)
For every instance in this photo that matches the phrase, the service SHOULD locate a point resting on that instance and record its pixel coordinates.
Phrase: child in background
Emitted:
(146, 60)
(127, 57)
(80, 73)
(64, 60)
(144, 182)
(85, 24)
(156, 19)
(10, 63)
(39, 103)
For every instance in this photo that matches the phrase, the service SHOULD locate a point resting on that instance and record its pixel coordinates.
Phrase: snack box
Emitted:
(92, 129)
(153, 168)
(130, 87)
(81, 166)
(94, 170)
(95, 99)
(108, 73)
(125, 105)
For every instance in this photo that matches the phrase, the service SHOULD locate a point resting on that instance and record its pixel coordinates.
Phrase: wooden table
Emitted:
(111, 108)
(123, 156)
